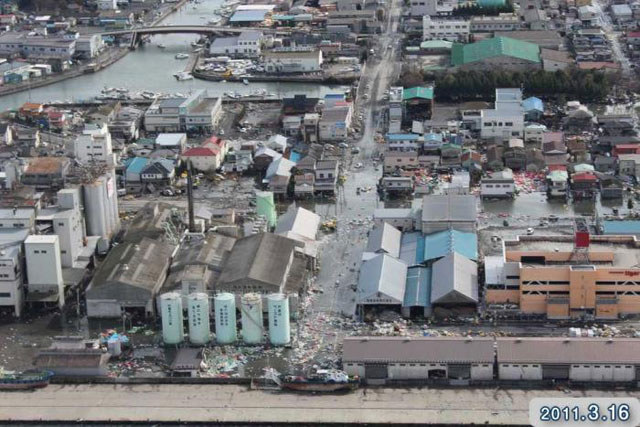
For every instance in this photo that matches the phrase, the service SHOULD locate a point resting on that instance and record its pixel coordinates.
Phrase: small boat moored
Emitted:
(182, 56)
(322, 380)
(24, 380)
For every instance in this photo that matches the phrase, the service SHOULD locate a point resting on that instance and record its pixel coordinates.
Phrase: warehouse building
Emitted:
(578, 359)
(498, 52)
(379, 360)
(443, 212)
(384, 239)
(381, 283)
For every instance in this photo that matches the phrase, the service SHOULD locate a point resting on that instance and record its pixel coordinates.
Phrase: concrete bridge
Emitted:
(188, 29)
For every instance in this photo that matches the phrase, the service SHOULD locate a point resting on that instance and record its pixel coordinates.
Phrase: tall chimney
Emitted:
(192, 225)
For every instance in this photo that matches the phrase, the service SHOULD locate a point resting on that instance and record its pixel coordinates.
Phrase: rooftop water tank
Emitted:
(172, 318)
(198, 311)
(225, 317)
(252, 326)
(279, 326)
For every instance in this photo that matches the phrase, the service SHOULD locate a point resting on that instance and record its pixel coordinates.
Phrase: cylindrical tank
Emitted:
(96, 211)
(198, 311)
(114, 346)
(225, 316)
(172, 318)
(279, 326)
(252, 326)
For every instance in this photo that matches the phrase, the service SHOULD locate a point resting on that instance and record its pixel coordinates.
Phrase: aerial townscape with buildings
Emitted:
(282, 212)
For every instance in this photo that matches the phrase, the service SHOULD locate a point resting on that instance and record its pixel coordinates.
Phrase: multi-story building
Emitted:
(445, 29)
(502, 22)
(247, 45)
(44, 268)
(89, 45)
(506, 120)
(196, 113)
(37, 46)
(570, 276)
(94, 145)
(11, 278)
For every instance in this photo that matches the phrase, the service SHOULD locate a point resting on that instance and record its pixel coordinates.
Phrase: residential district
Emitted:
(444, 195)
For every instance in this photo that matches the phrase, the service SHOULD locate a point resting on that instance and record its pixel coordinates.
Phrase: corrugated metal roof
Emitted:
(456, 280)
(462, 54)
(444, 242)
(137, 165)
(566, 350)
(249, 16)
(436, 44)
(449, 208)
(385, 238)
(299, 224)
(491, 3)
(412, 248)
(417, 92)
(402, 137)
(621, 227)
(417, 291)
(418, 349)
(382, 274)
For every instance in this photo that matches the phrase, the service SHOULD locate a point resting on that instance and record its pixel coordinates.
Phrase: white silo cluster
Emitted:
(172, 318)
(225, 318)
(198, 313)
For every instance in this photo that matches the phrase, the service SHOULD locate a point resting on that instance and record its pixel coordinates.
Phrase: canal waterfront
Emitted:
(151, 68)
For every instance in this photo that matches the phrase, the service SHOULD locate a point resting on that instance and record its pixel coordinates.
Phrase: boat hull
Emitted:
(319, 387)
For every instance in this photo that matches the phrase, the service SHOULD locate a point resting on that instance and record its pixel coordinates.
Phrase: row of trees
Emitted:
(476, 10)
(473, 85)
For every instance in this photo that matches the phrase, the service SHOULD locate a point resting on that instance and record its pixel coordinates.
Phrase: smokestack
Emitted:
(192, 225)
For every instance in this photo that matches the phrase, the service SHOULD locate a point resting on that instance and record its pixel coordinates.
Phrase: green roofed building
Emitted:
(492, 3)
(498, 52)
(417, 92)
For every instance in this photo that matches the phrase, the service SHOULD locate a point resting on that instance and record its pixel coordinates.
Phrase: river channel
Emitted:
(151, 68)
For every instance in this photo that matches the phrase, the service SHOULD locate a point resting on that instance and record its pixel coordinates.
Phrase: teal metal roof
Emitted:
(436, 44)
(462, 54)
(440, 244)
(137, 165)
(417, 92)
(621, 227)
(492, 3)
(418, 287)
(412, 248)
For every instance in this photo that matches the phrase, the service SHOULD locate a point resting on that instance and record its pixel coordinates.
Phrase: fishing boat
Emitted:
(183, 75)
(322, 380)
(161, 46)
(182, 56)
(245, 81)
(24, 380)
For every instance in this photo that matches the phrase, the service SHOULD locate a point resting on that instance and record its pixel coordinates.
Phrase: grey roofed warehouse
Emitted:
(258, 263)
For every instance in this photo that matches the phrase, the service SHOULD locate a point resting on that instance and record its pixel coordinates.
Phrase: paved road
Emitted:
(209, 403)
(607, 27)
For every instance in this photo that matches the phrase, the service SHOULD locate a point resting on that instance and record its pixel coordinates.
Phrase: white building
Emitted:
(533, 133)
(499, 184)
(199, 112)
(94, 145)
(44, 267)
(302, 60)
(248, 44)
(89, 45)
(576, 359)
(335, 123)
(171, 141)
(11, 279)
(432, 7)
(445, 29)
(502, 22)
(378, 359)
(107, 4)
(506, 120)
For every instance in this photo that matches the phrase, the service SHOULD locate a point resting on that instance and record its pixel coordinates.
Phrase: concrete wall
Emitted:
(482, 371)
(408, 371)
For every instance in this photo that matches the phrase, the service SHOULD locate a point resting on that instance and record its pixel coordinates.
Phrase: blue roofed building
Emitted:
(533, 109)
(412, 248)
(621, 228)
(491, 3)
(442, 243)
(133, 173)
(248, 17)
(417, 294)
